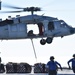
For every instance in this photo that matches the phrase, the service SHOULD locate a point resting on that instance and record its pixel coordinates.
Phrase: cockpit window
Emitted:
(63, 24)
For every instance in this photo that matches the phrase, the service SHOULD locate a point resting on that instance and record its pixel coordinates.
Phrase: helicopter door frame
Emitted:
(41, 28)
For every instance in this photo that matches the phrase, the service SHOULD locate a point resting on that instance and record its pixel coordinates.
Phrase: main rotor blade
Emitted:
(11, 6)
(11, 11)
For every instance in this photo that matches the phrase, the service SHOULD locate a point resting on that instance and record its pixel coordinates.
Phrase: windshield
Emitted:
(64, 24)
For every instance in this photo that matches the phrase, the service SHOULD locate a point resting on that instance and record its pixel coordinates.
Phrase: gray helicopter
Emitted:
(48, 27)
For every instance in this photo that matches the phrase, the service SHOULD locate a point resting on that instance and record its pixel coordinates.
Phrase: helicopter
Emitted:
(48, 27)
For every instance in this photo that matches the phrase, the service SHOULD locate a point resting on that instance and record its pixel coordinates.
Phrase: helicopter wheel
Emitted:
(49, 40)
(42, 41)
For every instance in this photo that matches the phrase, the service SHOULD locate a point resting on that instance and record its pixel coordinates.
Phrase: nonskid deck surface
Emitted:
(35, 74)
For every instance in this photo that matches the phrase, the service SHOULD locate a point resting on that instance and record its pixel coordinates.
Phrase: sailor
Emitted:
(73, 63)
(53, 66)
(0, 60)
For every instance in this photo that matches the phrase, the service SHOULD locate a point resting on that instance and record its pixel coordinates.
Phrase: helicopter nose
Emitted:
(72, 30)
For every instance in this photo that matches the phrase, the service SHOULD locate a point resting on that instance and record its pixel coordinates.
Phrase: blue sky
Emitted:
(22, 50)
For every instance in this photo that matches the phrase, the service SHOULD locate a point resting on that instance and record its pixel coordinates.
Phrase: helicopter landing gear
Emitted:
(42, 41)
(48, 41)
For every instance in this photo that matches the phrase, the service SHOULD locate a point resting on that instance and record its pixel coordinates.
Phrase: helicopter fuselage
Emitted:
(16, 28)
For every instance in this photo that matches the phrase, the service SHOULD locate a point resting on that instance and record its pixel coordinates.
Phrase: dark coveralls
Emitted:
(0, 60)
(73, 64)
(52, 65)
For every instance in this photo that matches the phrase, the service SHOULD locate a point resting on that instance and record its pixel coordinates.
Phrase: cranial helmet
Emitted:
(52, 57)
(73, 55)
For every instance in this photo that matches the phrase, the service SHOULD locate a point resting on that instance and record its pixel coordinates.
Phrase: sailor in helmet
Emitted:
(73, 63)
(52, 66)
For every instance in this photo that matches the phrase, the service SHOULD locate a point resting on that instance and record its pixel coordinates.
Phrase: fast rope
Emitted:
(34, 50)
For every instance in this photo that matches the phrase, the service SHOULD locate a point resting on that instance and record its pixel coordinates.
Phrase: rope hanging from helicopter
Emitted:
(34, 49)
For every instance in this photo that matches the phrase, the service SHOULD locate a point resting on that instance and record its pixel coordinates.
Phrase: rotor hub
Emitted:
(32, 9)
